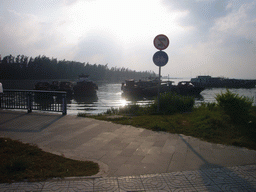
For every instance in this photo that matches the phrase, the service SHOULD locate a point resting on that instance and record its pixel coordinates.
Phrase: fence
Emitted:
(54, 101)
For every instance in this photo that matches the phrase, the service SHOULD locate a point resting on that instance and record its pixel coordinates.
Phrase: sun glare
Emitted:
(123, 102)
(127, 21)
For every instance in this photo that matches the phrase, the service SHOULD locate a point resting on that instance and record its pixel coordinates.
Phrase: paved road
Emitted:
(125, 151)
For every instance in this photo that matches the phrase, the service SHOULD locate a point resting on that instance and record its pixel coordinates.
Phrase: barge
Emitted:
(221, 82)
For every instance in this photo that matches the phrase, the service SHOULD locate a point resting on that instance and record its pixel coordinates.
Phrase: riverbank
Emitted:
(110, 95)
(204, 123)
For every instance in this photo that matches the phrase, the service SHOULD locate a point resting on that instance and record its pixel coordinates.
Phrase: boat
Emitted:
(44, 86)
(43, 96)
(55, 85)
(187, 88)
(85, 87)
(221, 82)
(64, 86)
(67, 86)
(149, 88)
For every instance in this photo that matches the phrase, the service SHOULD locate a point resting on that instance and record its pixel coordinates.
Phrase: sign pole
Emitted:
(158, 94)
(160, 58)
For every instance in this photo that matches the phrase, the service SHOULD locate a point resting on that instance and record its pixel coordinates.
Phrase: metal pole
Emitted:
(64, 104)
(158, 92)
(29, 102)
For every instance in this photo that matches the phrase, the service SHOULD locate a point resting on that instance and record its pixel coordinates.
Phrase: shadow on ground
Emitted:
(24, 122)
(218, 178)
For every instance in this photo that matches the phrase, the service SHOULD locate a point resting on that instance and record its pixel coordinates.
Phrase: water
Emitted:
(110, 95)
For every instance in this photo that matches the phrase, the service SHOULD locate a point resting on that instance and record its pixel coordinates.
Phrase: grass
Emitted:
(21, 161)
(230, 121)
(207, 122)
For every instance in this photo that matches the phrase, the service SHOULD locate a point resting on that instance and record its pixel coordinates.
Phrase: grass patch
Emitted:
(237, 107)
(230, 121)
(21, 161)
(171, 103)
(208, 122)
(209, 125)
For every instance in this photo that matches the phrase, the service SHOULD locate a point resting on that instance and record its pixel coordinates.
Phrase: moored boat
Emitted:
(221, 82)
(150, 88)
(85, 87)
(44, 86)
(66, 86)
(187, 88)
(43, 96)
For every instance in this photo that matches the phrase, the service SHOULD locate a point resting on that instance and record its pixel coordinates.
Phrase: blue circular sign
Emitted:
(160, 58)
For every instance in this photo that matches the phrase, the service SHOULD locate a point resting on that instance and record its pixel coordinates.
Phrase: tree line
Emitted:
(42, 67)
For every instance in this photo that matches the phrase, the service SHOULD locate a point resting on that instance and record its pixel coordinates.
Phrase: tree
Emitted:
(42, 67)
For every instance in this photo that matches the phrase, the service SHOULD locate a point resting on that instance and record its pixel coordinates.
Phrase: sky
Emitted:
(206, 37)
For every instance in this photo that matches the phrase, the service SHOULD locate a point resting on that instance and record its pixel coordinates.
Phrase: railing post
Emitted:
(64, 104)
(1, 94)
(29, 102)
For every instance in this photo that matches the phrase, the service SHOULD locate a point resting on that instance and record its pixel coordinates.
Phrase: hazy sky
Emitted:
(207, 37)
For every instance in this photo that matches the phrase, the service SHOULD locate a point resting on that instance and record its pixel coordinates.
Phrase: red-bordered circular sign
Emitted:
(161, 42)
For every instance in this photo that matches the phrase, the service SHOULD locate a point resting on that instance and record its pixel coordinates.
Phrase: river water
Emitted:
(109, 95)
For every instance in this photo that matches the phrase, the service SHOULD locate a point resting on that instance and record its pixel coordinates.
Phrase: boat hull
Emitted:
(152, 91)
(85, 90)
(219, 82)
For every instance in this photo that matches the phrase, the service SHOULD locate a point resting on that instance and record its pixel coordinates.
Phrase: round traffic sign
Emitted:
(160, 58)
(161, 42)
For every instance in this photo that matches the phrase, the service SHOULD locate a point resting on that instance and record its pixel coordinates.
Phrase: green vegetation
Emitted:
(237, 107)
(24, 161)
(42, 67)
(171, 103)
(230, 121)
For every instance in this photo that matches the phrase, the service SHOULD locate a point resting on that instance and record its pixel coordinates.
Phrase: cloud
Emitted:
(28, 34)
(236, 34)
(240, 23)
(223, 47)
(100, 48)
(70, 2)
(24, 32)
(201, 12)
(206, 36)
(18, 30)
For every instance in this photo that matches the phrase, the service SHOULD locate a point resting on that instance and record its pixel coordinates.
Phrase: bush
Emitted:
(134, 110)
(207, 120)
(112, 110)
(209, 106)
(171, 103)
(237, 107)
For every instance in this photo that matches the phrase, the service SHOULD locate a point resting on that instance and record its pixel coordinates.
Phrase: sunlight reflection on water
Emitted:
(110, 95)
